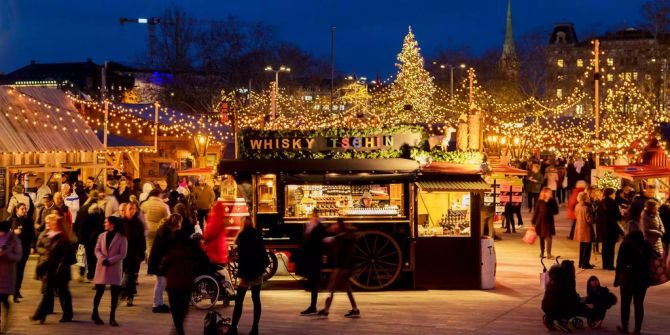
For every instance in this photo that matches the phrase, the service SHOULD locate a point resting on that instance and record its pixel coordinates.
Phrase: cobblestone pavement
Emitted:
(512, 308)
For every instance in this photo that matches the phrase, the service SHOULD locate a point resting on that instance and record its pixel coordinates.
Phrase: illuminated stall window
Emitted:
(267, 193)
(345, 200)
(444, 213)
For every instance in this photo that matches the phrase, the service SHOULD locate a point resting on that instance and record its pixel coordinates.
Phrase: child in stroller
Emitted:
(562, 304)
(599, 299)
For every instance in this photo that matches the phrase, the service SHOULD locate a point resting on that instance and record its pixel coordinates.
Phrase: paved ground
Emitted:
(512, 308)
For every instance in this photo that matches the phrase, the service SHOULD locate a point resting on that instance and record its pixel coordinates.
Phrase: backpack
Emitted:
(215, 324)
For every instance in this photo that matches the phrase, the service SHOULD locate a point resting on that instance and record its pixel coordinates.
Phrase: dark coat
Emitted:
(664, 213)
(310, 257)
(543, 218)
(159, 248)
(607, 227)
(633, 262)
(123, 197)
(179, 262)
(55, 267)
(12, 254)
(89, 224)
(343, 249)
(561, 299)
(137, 244)
(636, 207)
(572, 175)
(27, 235)
(252, 257)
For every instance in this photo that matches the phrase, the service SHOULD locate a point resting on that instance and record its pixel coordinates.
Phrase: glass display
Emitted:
(344, 200)
(267, 193)
(443, 213)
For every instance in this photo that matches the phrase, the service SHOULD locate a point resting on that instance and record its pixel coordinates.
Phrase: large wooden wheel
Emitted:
(270, 270)
(377, 260)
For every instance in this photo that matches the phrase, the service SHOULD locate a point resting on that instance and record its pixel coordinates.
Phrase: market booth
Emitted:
(416, 224)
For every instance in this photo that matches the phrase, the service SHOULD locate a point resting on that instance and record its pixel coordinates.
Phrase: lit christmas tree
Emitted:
(413, 88)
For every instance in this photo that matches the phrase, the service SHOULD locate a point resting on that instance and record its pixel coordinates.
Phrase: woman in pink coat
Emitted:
(110, 250)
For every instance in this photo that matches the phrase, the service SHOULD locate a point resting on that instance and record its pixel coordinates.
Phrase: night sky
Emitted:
(369, 32)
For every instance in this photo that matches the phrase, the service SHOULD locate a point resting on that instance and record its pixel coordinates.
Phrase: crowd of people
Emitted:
(601, 217)
(106, 230)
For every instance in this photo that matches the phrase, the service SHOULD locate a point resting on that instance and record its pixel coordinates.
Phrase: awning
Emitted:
(319, 166)
(196, 172)
(508, 170)
(354, 178)
(455, 183)
(638, 171)
(37, 169)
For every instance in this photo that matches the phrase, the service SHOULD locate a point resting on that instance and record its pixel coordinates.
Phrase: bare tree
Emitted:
(657, 16)
(532, 54)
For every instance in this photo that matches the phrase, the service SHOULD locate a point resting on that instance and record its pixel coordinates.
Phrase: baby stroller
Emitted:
(561, 302)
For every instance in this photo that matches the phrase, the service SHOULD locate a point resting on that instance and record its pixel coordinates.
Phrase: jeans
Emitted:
(608, 253)
(158, 290)
(20, 270)
(532, 198)
(179, 299)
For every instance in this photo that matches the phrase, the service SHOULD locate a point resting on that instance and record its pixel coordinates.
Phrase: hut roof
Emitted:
(38, 119)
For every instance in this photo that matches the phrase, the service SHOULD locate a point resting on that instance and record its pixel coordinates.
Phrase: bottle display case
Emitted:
(345, 200)
(443, 213)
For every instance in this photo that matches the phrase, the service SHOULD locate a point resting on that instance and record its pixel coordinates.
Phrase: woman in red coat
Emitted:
(572, 202)
(215, 235)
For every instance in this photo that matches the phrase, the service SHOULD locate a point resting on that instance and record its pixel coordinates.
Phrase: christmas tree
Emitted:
(413, 88)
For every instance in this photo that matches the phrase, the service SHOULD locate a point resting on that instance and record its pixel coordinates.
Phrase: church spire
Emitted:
(508, 60)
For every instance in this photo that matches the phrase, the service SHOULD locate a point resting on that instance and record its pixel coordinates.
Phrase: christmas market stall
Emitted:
(41, 132)
(416, 226)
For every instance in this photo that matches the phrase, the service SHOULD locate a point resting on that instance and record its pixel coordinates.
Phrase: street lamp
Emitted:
(275, 92)
(201, 143)
(451, 77)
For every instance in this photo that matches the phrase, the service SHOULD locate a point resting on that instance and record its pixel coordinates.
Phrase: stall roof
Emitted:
(451, 168)
(456, 183)
(196, 172)
(508, 170)
(373, 166)
(38, 119)
(638, 171)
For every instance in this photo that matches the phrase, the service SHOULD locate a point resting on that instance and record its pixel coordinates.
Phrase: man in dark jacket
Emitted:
(310, 258)
(609, 215)
(637, 206)
(88, 225)
(159, 247)
(137, 247)
(633, 276)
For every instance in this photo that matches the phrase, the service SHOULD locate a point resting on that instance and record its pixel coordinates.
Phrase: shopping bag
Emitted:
(530, 236)
(660, 270)
(81, 256)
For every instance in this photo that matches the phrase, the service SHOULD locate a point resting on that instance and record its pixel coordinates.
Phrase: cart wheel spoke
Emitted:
(378, 260)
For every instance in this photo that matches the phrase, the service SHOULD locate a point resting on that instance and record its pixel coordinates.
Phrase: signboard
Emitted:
(3, 186)
(328, 144)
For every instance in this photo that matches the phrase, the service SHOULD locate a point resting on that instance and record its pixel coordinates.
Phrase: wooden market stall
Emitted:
(419, 227)
(41, 132)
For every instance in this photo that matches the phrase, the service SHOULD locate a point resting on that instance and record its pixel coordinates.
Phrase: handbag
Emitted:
(215, 324)
(81, 256)
(530, 236)
(660, 269)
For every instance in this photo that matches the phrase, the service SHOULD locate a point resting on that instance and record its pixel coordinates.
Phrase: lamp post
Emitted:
(201, 143)
(451, 75)
(275, 92)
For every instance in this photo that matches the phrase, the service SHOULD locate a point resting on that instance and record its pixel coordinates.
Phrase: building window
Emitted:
(610, 77)
(647, 77)
(634, 75)
(628, 76)
(559, 93)
(559, 77)
(559, 63)
(579, 109)
(580, 63)
(610, 61)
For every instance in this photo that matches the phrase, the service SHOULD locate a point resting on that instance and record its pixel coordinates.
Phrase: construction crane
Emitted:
(151, 23)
